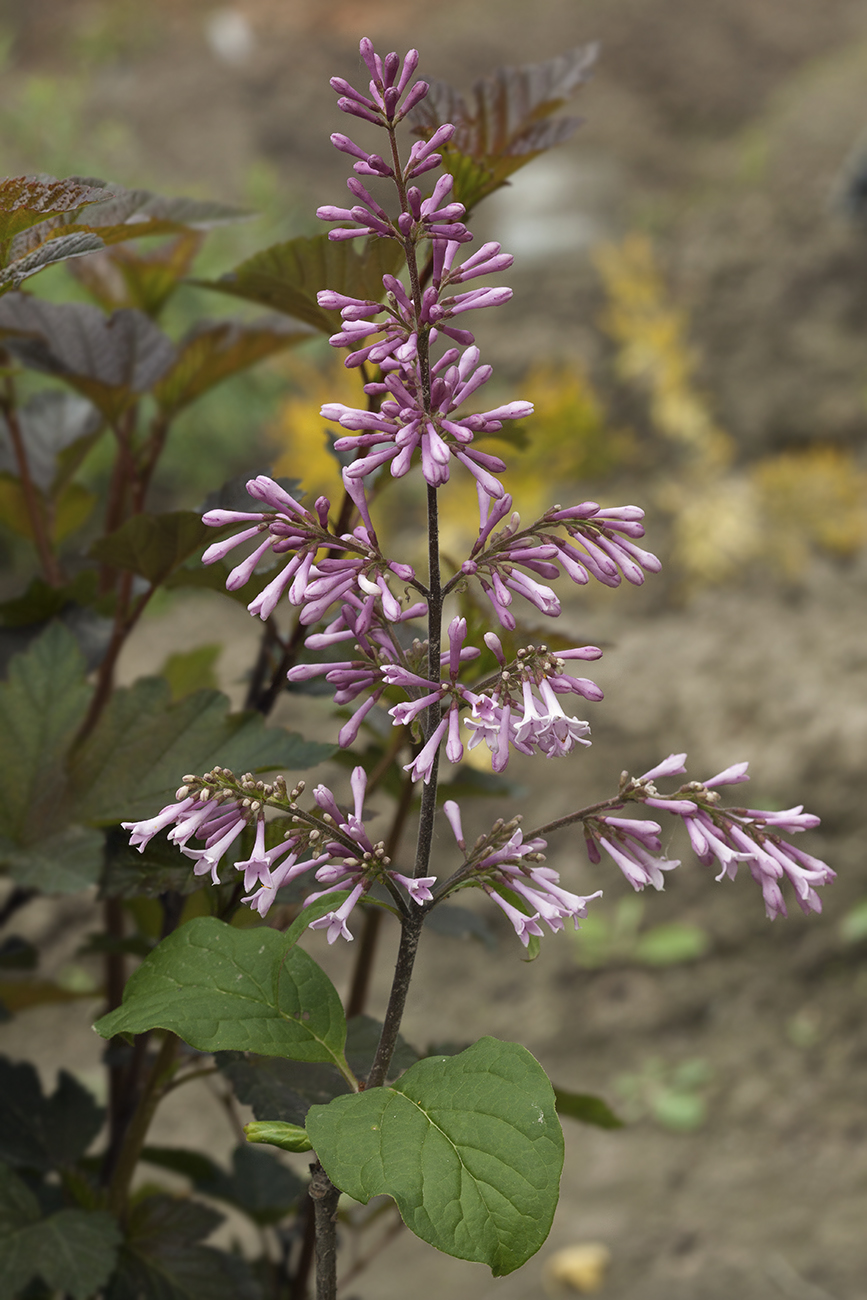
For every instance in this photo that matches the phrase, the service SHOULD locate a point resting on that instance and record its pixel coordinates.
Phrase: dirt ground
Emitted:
(725, 129)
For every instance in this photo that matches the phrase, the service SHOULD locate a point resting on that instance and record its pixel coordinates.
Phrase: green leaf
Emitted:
(163, 1260)
(276, 1133)
(160, 869)
(39, 1132)
(42, 705)
(72, 1251)
(122, 277)
(223, 989)
(132, 762)
(153, 545)
(287, 277)
(53, 424)
(280, 1090)
(111, 360)
(64, 863)
(189, 1164)
(507, 122)
(468, 1146)
(585, 1107)
(259, 1184)
(191, 670)
(26, 201)
(215, 350)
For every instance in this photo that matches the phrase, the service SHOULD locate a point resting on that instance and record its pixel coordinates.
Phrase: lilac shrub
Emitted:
(374, 631)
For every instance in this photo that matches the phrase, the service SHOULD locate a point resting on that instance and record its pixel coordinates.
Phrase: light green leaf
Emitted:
(469, 1146)
(276, 1133)
(191, 670)
(223, 989)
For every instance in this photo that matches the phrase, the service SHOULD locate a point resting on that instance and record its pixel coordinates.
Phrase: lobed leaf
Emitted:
(112, 360)
(468, 1146)
(40, 1132)
(132, 762)
(222, 989)
(506, 123)
(121, 277)
(42, 705)
(26, 201)
(72, 1251)
(162, 1258)
(287, 277)
(215, 350)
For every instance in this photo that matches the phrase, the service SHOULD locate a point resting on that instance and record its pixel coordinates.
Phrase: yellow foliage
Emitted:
(818, 496)
(654, 350)
(302, 431)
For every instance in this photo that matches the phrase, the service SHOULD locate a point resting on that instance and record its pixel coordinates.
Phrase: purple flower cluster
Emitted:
(722, 836)
(598, 543)
(505, 861)
(289, 528)
(332, 843)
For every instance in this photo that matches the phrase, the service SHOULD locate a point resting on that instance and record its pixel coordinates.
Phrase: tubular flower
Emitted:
(724, 837)
(407, 422)
(328, 842)
(501, 560)
(503, 863)
(523, 710)
(290, 528)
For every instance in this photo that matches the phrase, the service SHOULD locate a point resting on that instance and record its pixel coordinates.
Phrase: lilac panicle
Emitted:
(721, 837)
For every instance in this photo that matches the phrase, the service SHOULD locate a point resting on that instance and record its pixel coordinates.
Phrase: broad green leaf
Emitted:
(111, 360)
(287, 277)
(39, 1132)
(132, 762)
(216, 350)
(42, 705)
(162, 1258)
(222, 989)
(585, 1107)
(468, 1146)
(69, 512)
(27, 200)
(154, 545)
(507, 122)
